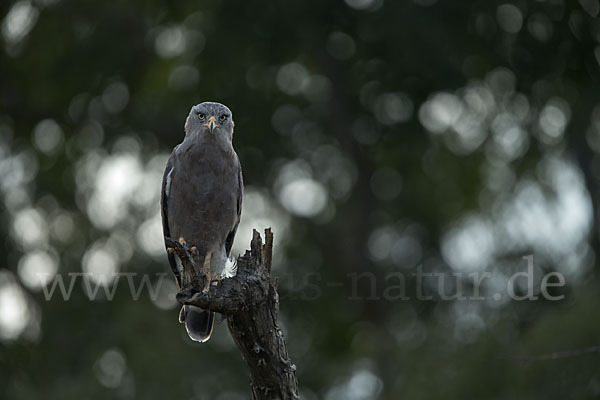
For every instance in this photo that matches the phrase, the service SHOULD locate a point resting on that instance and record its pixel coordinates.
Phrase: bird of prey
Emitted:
(201, 201)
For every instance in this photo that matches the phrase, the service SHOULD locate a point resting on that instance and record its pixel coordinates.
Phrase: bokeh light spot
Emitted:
(37, 268)
(509, 17)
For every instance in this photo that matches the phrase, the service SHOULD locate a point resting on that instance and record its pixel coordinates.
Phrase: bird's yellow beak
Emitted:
(211, 123)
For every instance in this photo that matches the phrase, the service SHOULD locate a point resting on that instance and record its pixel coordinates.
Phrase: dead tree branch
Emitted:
(250, 303)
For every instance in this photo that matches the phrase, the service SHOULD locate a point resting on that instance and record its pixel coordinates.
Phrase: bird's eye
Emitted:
(201, 116)
(223, 118)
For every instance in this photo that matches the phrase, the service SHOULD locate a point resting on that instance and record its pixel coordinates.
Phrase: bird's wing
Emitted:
(164, 210)
(240, 190)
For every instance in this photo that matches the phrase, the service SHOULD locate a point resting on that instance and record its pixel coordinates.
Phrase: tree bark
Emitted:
(250, 303)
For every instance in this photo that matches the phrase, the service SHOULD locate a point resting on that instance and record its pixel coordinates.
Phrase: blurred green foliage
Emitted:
(377, 137)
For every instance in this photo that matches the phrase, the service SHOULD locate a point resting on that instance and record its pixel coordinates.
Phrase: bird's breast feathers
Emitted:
(203, 191)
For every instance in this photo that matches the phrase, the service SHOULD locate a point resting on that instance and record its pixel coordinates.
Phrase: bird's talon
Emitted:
(218, 279)
(206, 285)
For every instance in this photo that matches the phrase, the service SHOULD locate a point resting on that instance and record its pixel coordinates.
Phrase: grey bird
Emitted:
(201, 201)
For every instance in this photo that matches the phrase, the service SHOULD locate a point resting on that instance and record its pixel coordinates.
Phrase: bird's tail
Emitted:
(198, 322)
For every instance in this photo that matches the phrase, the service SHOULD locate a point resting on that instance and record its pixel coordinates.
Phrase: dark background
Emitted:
(378, 138)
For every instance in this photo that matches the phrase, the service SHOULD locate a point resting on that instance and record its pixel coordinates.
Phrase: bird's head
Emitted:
(210, 118)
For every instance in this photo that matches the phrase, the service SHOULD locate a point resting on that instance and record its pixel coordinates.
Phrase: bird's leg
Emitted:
(206, 271)
(196, 255)
(190, 273)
